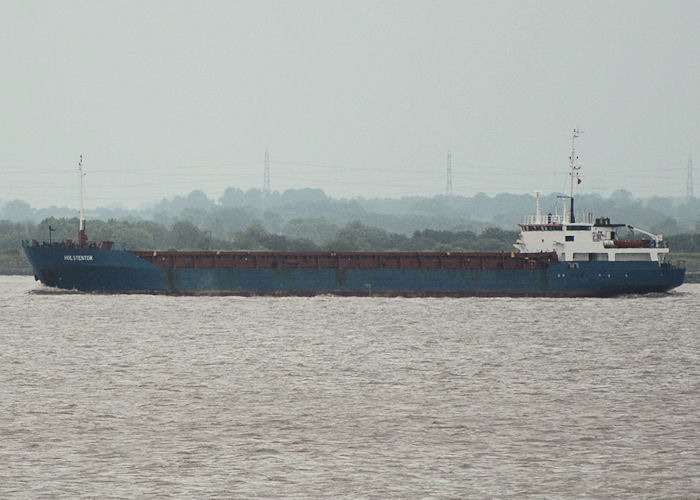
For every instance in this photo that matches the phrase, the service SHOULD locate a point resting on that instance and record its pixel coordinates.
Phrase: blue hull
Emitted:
(112, 271)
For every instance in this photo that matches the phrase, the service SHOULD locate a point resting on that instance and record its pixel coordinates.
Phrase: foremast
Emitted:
(82, 235)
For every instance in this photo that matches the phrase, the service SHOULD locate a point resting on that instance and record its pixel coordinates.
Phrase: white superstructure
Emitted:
(596, 240)
(593, 240)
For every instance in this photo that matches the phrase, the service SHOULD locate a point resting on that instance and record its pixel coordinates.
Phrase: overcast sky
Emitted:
(358, 98)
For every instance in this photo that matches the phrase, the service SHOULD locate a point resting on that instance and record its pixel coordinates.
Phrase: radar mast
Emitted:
(574, 169)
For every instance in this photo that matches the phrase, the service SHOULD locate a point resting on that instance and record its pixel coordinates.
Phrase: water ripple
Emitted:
(125, 396)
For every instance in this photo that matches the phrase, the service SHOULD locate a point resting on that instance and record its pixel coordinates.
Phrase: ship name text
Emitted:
(77, 257)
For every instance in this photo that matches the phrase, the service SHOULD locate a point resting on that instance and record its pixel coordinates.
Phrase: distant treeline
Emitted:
(184, 235)
(311, 214)
(355, 236)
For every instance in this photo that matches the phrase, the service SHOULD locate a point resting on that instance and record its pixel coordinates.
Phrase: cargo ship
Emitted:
(555, 256)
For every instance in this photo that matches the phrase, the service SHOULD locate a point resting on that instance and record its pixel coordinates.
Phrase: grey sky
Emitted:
(357, 98)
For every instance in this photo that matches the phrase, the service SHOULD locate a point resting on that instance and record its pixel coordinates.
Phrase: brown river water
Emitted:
(127, 396)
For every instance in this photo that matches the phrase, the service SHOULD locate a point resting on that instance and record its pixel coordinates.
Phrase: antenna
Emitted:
(574, 168)
(266, 176)
(689, 181)
(574, 164)
(82, 236)
(448, 189)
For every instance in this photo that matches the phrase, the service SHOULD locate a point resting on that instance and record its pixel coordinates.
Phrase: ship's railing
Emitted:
(634, 244)
(544, 219)
(69, 243)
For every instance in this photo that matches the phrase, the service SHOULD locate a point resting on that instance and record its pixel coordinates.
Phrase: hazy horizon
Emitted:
(149, 204)
(357, 99)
